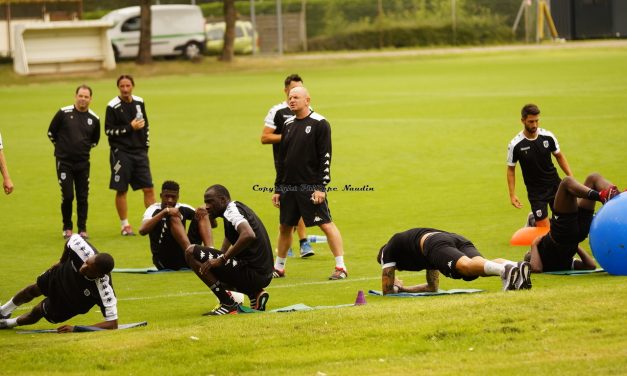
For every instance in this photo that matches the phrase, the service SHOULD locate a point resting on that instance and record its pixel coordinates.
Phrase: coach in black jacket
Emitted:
(74, 130)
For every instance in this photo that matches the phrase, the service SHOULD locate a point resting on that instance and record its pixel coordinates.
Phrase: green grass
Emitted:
(428, 133)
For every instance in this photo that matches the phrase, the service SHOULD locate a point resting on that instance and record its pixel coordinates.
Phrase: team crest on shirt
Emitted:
(545, 143)
(63, 176)
(89, 121)
(308, 129)
(86, 292)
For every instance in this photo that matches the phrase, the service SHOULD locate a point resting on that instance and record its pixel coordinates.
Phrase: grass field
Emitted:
(428, 133)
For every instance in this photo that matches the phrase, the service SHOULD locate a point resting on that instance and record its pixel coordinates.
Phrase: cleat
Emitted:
(338, 273)
(608, 193)
(127, 231)
(509, 277)
(278, 273)
(523, 282)
(531, 220)
(67, 234)
(83, 234)
(306, 250)
(259, 302)
(3, 324)
(223, 309)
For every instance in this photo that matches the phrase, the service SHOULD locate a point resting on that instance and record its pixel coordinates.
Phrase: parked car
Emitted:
(176, 30)
(245, 36)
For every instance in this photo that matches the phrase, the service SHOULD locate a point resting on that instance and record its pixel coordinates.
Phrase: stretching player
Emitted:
(72, 286)
(451, 254)
(166, 253)
(570, 225)
(244, 263)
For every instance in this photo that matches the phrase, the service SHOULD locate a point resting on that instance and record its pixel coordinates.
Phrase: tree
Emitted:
(144, 56)
(230, 16)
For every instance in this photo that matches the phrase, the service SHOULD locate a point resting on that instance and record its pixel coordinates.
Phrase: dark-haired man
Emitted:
(570, 225)
(126, 125)
(72, 286)
(533, 147)
(438, 251)
(244, 262)
(74, 131)
(273, 127)
(166, 253)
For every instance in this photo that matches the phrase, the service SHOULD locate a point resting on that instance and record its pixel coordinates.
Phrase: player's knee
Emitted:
(591, 179)
(464, 266)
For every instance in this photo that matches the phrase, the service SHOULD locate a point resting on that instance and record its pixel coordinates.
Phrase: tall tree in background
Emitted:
(144, 56)
(229, 31)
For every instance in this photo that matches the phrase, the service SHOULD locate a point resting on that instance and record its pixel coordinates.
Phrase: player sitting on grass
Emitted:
(451, 254)
(570, 225)
(244, 263)
(72, 286)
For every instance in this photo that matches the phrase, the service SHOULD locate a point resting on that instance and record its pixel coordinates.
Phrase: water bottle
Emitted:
(139, 115)
(316, 239)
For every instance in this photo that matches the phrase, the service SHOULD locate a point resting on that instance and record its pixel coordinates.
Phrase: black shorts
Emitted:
(540, 200)
(297, 204)
(170, 255)
(442, 251)
(556, 256)
(235, 275)
(55, 311)
(129, 168)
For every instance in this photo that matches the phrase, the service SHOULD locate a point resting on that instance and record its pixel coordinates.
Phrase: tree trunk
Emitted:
(144, 56)
(229, 32)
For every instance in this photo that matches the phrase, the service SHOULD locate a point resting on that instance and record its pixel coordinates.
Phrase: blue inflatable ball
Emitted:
(608, 235)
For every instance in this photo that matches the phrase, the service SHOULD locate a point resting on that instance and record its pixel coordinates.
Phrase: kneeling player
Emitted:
(76, 283)
(451, 254)
(570, 225)
(244, 263)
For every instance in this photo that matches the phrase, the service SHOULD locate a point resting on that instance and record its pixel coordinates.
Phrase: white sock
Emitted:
(279, 264)
(124, 222)
(8, 308)
(339, 262)
(512, 263)
(493, 268)
(11, 323)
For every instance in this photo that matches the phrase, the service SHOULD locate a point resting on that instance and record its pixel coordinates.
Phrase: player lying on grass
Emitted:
(243, 264)
(570, 225)
(451, 254)
(72, 286)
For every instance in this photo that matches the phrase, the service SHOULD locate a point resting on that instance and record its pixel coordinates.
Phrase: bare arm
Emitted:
(511, 185)
(113, 324)
(7, 182)
(561, 160)
(586, 262)
(536, 261)
(148, 225)
(433, 282)
(269, 137)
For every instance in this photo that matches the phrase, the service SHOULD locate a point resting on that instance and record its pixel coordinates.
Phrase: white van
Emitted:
(176, 30)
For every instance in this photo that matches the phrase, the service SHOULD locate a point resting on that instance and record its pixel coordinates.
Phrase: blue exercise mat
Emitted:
(423, 294)
(82, 329)
(575, 272)
(299, 307)
(149, 270)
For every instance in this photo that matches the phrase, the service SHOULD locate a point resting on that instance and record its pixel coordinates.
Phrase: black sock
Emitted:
(223, 296)
(594, 195)
(303, 241)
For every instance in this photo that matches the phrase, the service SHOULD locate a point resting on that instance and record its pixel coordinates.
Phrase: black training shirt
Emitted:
(74, 133)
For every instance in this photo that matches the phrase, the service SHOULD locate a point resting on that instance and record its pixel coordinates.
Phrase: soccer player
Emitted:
(72, 286)
(7, 184)
(74, 131)
(244, 262)
(533, 147)
(303, 172)
(126, 125)
(273, 127)
(166, 252)
(570, 225)
(443, 252)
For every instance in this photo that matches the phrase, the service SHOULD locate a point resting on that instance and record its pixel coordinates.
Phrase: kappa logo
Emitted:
(308, 129)
(545, 143)
(86, 292)
(556, 216)
(450, 264)
(317, 219)
(202, 255)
